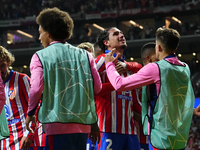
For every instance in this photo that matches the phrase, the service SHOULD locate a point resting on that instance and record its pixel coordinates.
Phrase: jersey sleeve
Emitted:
(133, 66)
(25, 91)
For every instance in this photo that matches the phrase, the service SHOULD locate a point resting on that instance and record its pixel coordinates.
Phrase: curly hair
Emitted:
(57, 23)
(104, 35)
(5, 55)
(170, 38)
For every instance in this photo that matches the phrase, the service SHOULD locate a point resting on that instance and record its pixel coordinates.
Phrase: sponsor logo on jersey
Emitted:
(7, 110)
(129, 98)
(14, 121)
(11, 94)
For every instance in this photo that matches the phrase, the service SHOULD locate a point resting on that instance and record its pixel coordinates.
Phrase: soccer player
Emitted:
(17, 86)
(91, 141)
(66, 78)
(148, 55)
(167, 116)
(115, 109)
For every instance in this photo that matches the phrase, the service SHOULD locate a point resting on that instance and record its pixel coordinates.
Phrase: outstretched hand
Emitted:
(109, 56)
(28, 121)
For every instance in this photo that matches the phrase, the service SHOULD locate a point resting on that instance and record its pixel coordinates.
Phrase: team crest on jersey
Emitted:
(11, 94)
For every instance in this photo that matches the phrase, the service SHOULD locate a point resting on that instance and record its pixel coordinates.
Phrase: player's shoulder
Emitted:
(136, 64)
(99, 57)
(22, 75)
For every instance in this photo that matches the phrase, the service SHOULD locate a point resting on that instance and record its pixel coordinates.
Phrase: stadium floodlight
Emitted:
(98, 27)
(175, 19)
(24, 33)
(135, 24)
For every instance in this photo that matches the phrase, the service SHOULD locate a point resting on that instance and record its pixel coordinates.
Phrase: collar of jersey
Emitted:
(170, 56)
(114, 55)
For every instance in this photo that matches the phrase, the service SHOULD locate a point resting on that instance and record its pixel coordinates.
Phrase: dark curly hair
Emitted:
(170, 38)
(104, 35)
(57, 23)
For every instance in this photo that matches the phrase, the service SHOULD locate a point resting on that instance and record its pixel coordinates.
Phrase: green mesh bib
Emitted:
(4, 131)
(173, 110)
(68, 86)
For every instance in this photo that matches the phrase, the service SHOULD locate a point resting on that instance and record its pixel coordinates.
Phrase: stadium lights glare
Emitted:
(9, 42)
(135, 24)
(175, 19)
(24, 66)
(98, 27)
(194, 54)
(24, 33)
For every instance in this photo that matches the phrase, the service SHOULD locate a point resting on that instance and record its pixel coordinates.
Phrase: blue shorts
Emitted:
(144, 146)
(76, 141)
(91, 146)
(36, 148)
(117, 141)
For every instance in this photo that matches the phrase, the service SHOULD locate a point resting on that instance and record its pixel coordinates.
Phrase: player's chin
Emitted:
(123, 46)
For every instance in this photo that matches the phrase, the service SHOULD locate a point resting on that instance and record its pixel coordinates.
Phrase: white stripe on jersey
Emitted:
(40, 133)
(114, 112)
(130, 115)
(100, 62)
(123, 114)
(27, 84)
(138, 96)
(104, 121)
(7, 144)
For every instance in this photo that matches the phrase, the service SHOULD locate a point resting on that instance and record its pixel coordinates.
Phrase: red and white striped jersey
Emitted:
(115, 109)
(16, 88)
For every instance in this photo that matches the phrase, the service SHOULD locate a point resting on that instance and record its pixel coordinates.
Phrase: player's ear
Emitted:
(106, 42)
(160, 48)
(148, 58)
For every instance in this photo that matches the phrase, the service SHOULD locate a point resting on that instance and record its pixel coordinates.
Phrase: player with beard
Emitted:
(115, 109)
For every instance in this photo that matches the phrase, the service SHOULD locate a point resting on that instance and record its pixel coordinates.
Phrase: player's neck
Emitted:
(4, 78)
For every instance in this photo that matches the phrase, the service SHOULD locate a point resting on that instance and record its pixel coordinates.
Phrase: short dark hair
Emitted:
(97, 49)
(57, 23)
(170, 38)
(148, 49)
(104, 35)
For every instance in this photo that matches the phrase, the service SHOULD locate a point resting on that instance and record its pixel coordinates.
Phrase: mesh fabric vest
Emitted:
(68, 86)
(173, 110)
(4, 131)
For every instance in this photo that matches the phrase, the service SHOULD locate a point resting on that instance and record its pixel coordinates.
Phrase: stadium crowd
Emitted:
(15, 9)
